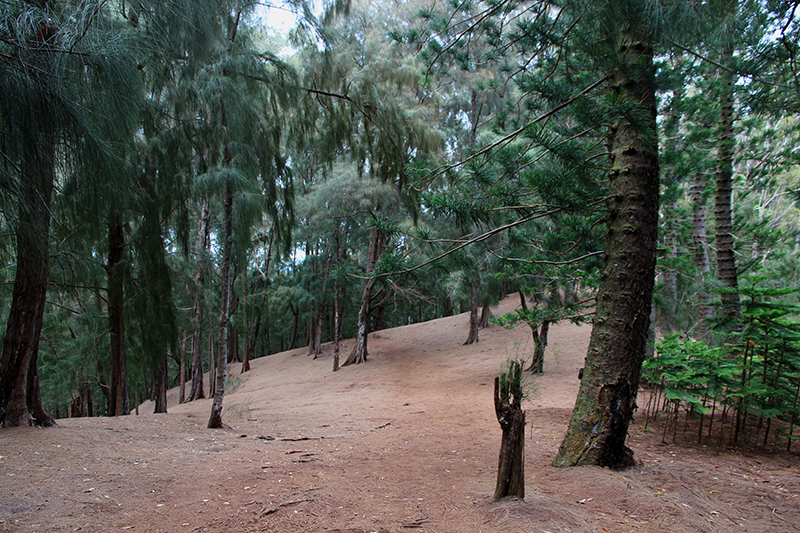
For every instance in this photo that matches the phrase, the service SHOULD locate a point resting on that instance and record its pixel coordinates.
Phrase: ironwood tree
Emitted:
(60, 64)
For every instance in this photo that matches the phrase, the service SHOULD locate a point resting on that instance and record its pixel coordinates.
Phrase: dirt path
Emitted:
(406, 442)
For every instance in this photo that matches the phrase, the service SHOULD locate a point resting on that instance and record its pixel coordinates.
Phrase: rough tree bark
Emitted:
(20, 400)
(508, 408)
(474, 323)
(119, 403)
(160, 386)
(539, 340)
(705, 311)
(486, 314)
(670, 273)
(197, 391)
(358, 355)
(723, 212)
(215, 420)
(607, 397)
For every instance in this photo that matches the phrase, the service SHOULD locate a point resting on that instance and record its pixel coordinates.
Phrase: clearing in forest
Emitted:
(406, 442)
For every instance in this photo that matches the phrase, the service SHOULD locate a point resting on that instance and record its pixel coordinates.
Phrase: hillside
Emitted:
(406, 442)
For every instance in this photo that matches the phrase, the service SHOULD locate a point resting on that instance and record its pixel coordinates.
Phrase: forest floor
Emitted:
(406, 442)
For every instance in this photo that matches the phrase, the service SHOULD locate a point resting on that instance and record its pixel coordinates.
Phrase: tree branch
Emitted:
(511, 136)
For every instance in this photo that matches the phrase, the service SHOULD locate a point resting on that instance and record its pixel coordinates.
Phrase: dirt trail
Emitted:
(406, 442)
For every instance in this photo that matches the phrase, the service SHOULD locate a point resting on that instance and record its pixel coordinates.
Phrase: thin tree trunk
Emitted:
(161, 386)
(182, 370)
(359, 353)
(245, 325)
(321, 311)
(295, 327)
(539, 340)
(212, 366)
(233, 340)
(197, 391)
(700, 239)
(337, 307)
(723, 211)
(336, 320)
(539, 347)
(670, 273)
(215, 420)
(119, 380)
(474, 323)
(311, 323)
(233, 327)
(378, 312)
(486, 313)
(607, 397)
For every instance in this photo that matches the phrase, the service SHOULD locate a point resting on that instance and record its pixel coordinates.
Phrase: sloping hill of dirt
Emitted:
(406, 442)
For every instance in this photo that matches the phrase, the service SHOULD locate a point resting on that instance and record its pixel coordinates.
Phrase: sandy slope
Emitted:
(407, 441)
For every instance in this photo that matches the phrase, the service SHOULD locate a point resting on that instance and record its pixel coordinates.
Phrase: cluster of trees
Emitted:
(181, 189)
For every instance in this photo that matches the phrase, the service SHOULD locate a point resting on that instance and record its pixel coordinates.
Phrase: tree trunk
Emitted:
(233, 328)
(215, 420)
(336, 320)
(539, 346)
(20, 401)
(212, 366)
(197, 391)
(511, 466)
(337, 307)
(295, 327)
(82, 405)
(321, 307)
(233, 341)
(448, 307)
(378, 312)
(312, 311)
(359, 353)
(161, 385)
(670, 273)
(86, 400)
(486, 313)
(607, 397)
(119, 402)
(700, 239)
(245, 326)
(254, 342)
(726, 260)
(311, 330)
(474, 323)
(182, 370)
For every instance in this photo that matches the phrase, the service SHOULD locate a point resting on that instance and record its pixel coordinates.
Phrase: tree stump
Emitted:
(508, 408)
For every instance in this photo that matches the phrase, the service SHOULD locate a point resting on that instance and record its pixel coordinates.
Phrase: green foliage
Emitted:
(753, 378)
(512, 390)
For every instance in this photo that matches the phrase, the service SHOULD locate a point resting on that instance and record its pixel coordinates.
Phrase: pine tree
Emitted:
(61, 64)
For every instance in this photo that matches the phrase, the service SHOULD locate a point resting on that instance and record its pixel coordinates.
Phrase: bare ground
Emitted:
(406, 442)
